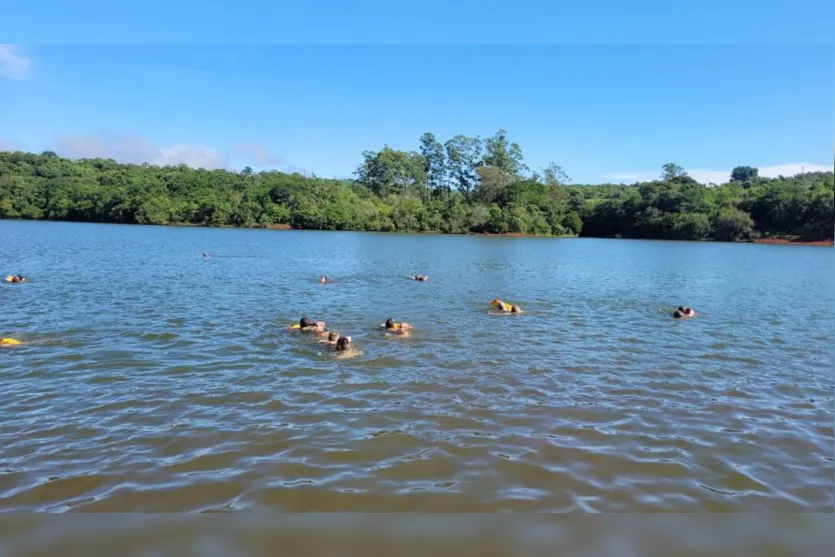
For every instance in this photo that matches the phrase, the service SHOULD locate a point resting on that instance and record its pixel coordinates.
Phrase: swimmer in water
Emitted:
(9, 342)
(345, 349)
(505, 307)
(421, 278)
(16, 278)
(330, 342)
(401, 329)
(683, 312)
(205, 255)
(306, 326)
(323, 280)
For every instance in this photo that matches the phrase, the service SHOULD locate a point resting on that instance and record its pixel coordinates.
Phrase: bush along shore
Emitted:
(466, 185)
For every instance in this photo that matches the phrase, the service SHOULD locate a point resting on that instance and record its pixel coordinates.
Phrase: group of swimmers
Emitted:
(343, 345)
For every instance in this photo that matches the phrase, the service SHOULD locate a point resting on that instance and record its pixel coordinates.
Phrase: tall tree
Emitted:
(464, 156)
(504, 155)
(435, 164)
(744, 173)
(553, 175)
(492, 183)
(672, 170)
(392, 172)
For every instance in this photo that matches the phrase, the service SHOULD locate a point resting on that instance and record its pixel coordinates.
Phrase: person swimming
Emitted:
(323, 280)
(421, 278)
(684, 312)
(397, 328)
(333, 338)
(306, 326)
(205, 255)
(343, 344)
(16, 278)
(505, 307)
(8, 342)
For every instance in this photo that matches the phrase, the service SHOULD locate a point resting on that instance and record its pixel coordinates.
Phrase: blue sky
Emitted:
(603, 112)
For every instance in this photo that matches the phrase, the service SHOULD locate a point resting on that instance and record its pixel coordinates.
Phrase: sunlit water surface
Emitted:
(154, 380)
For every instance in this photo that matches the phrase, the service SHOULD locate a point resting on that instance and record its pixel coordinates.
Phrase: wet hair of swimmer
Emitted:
(678, 314)
(389, 323)
(333, 336)
(304, 322)
(515, 309)
(682, 309)
(343, 343)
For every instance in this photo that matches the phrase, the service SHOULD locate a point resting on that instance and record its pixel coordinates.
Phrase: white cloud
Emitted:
(707, 176)
(258, 154)
(137, 149)
(626, 177)
(13, 64)
(8, 145)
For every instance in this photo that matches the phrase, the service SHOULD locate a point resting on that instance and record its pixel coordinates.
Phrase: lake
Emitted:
(153, 380)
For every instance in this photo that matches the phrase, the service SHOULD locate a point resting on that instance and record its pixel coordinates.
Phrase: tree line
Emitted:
(464, 185)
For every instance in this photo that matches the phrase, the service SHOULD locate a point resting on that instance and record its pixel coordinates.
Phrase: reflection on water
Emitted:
(155, 380)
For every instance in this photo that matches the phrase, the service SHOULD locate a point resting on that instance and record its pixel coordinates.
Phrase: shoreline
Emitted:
(793, 242)
(285, 227)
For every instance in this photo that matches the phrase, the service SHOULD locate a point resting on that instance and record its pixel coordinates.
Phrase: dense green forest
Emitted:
(465, 185)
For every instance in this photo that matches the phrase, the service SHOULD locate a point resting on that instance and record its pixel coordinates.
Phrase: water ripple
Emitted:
(186, 394)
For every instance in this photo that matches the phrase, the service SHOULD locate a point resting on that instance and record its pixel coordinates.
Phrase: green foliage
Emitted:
(464, 156)
(731, 225)
(393, 172)
(680, 208)
(506, 157)
(672, 170)
(744, 173)
(573, 223)
(465, 185)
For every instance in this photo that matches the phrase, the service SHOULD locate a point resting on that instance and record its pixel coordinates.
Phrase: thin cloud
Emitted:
(707, 176)
(13, 64)
(8, 146)
(258, 154)
(137, 149)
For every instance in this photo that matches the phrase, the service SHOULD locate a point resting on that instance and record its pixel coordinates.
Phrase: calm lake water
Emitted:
(155, 380)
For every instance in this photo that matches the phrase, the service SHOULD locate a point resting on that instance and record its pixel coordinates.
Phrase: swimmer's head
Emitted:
(515, 309)
(496, 302)
(343, 343)
(682, 309)
(678, 314)
(389, 323)
(323, 280)
(333, 336)
(304, 322)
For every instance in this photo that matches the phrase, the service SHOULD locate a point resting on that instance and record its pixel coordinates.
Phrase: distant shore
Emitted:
(794, 242)
(763, 241)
